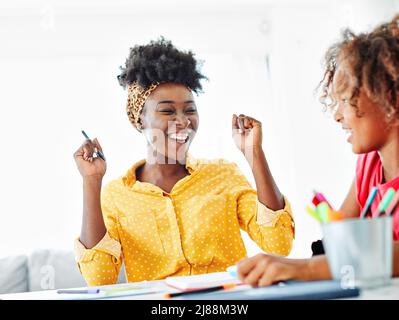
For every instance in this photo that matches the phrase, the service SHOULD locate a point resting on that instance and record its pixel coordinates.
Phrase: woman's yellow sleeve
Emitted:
(273, 231)
(101, 264)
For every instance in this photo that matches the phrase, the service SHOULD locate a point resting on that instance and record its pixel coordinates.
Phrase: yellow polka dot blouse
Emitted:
(192, 230)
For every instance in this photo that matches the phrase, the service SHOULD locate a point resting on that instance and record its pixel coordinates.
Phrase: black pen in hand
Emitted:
(98, 152)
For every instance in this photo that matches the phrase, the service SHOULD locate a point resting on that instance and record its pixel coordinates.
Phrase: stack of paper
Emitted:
(201, 281)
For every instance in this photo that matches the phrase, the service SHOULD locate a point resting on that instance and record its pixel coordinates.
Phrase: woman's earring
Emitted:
(139, 127)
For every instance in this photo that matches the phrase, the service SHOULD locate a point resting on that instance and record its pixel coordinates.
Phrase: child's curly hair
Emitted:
(159, 61)
(372, 63)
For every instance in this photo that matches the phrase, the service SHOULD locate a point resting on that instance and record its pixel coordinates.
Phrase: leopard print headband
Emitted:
(136, 98)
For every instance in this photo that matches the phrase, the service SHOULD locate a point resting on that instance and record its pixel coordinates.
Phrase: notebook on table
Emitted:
(291, 290)
(201, 281)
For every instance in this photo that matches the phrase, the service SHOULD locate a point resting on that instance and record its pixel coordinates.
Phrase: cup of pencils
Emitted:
(359, 251)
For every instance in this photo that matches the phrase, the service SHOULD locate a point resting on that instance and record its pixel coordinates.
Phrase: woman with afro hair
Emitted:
(172, 214)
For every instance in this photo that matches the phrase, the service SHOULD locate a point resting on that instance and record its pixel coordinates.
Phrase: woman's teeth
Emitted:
(179, 137)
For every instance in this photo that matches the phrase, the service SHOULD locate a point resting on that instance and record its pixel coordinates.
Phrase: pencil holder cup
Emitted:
(359, 251)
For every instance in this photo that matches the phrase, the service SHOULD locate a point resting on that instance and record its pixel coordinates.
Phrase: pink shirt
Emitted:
(369, 173)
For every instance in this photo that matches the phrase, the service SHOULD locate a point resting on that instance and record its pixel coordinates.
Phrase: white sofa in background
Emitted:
(42, 270)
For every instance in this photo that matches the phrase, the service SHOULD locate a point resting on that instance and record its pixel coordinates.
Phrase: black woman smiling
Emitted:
(172, 214)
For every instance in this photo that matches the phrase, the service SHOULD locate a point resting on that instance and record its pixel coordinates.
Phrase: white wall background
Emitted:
(58, 67)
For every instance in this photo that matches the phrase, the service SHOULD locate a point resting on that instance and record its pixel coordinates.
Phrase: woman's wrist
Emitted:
(254, 154)
(92, 180)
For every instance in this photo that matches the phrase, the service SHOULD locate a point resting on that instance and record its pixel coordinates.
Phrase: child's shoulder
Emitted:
(368, 170)
(368, 161)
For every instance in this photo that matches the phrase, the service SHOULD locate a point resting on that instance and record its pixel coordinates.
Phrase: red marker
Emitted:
(318, 198)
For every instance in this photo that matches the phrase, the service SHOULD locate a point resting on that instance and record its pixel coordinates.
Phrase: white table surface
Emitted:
(385, 293)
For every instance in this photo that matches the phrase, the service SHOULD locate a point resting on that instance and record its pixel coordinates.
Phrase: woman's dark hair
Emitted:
(159, 61)
(372, 64)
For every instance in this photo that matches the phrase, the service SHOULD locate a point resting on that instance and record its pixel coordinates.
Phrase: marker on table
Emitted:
(385, 202)
(126, 289)
(217, 288)
(79, 291)
(369, 201)
(98, 152)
